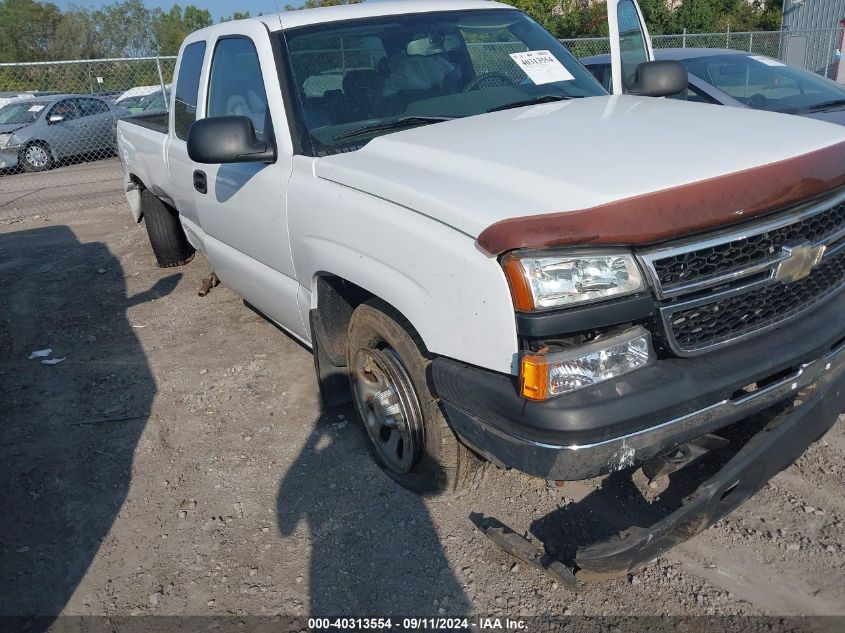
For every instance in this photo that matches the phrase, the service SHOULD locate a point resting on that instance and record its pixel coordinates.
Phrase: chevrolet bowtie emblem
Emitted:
(800, 260)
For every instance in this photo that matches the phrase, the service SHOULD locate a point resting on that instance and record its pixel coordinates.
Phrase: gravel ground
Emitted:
(177, 462)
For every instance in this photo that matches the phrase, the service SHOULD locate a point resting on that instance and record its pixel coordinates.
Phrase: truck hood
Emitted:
(567, 156)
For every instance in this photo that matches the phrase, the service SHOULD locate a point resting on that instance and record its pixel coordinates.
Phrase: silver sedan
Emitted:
(38, 133)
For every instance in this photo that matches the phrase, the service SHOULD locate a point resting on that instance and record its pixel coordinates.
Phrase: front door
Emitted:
(630, 44)
(243, 209)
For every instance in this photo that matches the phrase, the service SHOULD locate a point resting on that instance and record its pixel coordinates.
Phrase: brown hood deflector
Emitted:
(679, 211)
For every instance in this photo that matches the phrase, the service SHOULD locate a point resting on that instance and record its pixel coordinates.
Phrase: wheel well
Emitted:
(337, 299)
(42, 142)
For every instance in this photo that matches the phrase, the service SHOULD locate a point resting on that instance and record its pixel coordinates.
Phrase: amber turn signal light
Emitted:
(534, 377)
(522, 298)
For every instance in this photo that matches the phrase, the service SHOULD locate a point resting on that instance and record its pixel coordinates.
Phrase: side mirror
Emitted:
(56, 118)
(660, 79)
(227, 139)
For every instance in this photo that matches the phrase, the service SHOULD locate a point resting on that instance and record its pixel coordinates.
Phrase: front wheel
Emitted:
(36, 157)
(409, 436)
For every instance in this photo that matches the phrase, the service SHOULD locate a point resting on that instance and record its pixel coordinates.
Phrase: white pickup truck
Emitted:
(498, 261)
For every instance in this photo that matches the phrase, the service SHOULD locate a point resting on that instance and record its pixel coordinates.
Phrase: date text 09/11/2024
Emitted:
(433, 624)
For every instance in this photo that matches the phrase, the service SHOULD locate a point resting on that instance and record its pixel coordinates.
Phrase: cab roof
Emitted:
(305, 17)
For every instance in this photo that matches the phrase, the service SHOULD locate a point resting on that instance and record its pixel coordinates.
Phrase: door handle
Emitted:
(200, 181)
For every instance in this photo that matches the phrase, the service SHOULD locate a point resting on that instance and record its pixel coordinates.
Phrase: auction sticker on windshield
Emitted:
(541, 67)
(36, 108)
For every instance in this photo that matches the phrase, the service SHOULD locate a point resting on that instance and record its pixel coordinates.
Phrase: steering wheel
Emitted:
(489, 80)
(756, 101)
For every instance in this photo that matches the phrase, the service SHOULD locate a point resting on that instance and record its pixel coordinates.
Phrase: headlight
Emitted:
(543, 279)
(544, 376)
(4, 140)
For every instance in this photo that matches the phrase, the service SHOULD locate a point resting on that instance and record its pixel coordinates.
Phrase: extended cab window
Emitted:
(358, 79)
(187, 88)
(236, 87)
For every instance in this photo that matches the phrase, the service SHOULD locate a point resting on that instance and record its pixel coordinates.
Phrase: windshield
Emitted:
(764, 83)
(357, 79)
(21, 113)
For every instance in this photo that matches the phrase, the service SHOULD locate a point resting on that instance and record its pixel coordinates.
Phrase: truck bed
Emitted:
(157, 121)
(142, 140)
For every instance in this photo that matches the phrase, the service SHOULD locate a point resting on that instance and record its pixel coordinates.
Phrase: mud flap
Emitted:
(332, 379)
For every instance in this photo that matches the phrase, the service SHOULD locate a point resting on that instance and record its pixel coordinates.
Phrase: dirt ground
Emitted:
(177, 462)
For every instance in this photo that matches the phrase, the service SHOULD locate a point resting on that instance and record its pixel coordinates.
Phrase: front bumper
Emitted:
(9, 158)
(624, 422)
(770, 450)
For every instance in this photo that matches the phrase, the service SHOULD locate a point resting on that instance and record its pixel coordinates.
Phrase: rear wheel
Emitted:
(409, 435)
(36, 157)
(170, 245)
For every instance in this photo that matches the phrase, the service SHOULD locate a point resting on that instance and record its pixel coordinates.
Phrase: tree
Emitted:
(313, 4)
(124, 29)
(76, 37)
(236, 15)
(27, 29)
(171, 27)
(658, 16)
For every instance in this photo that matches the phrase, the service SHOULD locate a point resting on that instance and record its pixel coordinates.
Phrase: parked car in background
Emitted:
(109, 95)
(153, 103)
(132, 97)
(10, 97)
(738, 79)
(37, 133)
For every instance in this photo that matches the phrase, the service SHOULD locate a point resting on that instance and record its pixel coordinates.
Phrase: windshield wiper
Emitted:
(532, 101)
(819, 106)
(405, 121)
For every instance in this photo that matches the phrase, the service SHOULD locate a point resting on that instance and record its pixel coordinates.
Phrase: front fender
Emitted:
(455, 296)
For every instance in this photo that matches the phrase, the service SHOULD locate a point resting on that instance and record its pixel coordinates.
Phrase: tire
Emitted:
(384, 349)
(36, 157)
(170, 245)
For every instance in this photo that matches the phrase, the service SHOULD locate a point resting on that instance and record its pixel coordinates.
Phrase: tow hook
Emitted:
(524, 550)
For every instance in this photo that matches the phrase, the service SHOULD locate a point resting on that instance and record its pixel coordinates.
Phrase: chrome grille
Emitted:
(728, 286)
(733, 317)
(746, 251)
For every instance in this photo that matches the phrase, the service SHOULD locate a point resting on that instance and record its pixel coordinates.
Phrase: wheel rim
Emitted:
(388, 406)
(36, 156)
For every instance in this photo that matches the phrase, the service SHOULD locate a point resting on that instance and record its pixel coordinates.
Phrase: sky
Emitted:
(217, 8)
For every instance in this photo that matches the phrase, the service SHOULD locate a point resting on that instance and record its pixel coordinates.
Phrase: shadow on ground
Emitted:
(341, 502)
(65, 462)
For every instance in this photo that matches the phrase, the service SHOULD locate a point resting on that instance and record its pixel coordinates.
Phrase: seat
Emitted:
(248, 104)
(362, 91)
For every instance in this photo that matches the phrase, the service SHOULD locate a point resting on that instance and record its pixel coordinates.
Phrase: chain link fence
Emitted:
(813, 50)
(59, 113)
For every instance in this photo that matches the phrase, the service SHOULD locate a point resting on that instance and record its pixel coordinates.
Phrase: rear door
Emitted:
(630, 44)
(96, 124)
